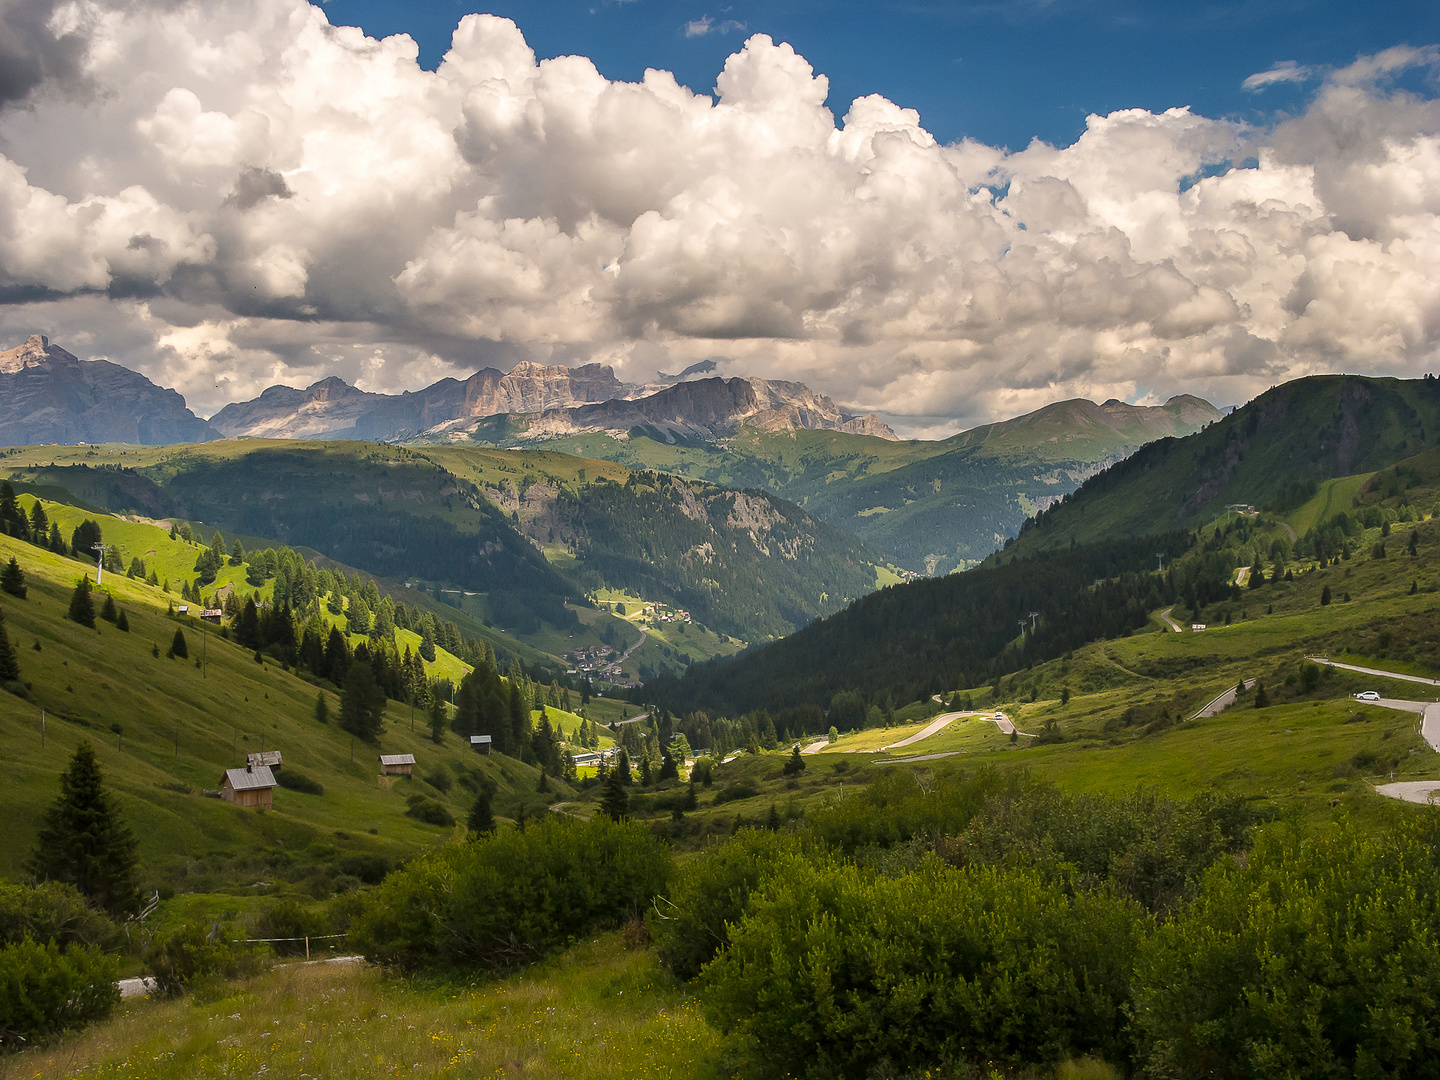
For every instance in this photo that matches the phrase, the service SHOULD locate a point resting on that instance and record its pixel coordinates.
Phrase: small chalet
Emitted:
(271, 759)
(211, 615)
(251, 786)
(480, 744)
(396, 764)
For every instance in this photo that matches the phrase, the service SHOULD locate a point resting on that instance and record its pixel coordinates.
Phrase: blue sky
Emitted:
(1001, 72)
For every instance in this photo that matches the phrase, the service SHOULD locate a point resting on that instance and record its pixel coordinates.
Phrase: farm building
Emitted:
(480, 744)
(396, 764)
(271, 759)
(251, 786)
(212, 615)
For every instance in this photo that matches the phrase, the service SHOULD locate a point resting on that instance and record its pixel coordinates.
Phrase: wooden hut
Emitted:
(251, 786)
(396, 764)
(480, 743)
(271, 759)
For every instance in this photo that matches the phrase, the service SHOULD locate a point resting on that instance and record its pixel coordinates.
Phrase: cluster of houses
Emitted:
(596, 660)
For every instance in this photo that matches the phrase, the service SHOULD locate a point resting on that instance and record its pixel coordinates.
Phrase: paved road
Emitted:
(1429, 710)
(916, 757)
(1424, 792)
(942, 721)
(816, 747)
(1171, 622)
(626, 654)
(634, 719)
(1242, 576)
(1374, 671)
(1221, 703)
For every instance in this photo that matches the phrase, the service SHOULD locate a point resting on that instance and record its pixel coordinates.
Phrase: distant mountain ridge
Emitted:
(539, 402)
(48, 395)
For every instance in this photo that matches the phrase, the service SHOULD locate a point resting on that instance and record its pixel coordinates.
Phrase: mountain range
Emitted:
(927, 506)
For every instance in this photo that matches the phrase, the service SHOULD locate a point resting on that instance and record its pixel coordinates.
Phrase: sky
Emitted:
(944, 213)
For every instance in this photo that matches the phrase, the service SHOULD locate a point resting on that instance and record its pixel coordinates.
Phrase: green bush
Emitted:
(48, 989)
(191, 956)
(369, 868)
(429, 811)
(51, 911)
(737, 789)
(1318, 956)
(288, 918)
(710, 892)
(509, 897)
(839, 972)
(296, 781)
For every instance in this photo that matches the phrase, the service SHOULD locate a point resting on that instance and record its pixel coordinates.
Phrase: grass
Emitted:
(600, 1010)
(182, 725)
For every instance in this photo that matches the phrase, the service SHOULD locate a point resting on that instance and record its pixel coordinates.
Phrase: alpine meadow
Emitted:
(899, 542)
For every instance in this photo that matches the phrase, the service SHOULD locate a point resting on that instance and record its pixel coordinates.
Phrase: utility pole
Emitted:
(204, 649)
(1160, 562)
(42, 729)
(1033, 616)
(100, 550)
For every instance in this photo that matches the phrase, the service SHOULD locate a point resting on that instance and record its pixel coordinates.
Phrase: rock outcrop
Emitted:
(48, 395)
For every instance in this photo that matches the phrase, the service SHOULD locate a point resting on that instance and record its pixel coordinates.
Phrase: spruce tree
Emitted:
(39, 525)
(84, 842)
(108, 610)
(322, 708)
(178, 648)
(427, 643)
(82, 609)
(437, 719)
(12, 579)
(12, 518)
(1262, 699)
(482, 817)
(796, 764)
(362, 703)
(123, 622)
(9, 664)
(57, 542)
(616, 800)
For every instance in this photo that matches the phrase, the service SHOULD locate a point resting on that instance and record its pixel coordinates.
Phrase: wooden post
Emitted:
(307, 948)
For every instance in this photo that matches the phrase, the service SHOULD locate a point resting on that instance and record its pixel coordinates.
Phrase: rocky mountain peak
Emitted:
(36, 351)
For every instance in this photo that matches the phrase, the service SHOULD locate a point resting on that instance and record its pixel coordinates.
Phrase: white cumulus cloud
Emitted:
(226, 196)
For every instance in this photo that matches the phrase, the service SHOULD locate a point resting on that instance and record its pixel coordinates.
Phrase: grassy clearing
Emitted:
(600, 1010)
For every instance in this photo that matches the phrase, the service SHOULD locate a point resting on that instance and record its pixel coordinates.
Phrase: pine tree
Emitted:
(616, 800)
(427, 643)
(362, 703)
(39, 525)
(12, 518)
(668, 768)
(84, 842)
(1262, 699)
(57, 542)
(622, 767)
(322, 708)
(9, 663)
(123, 622)
(437, 719)
(82, 609)
(108, 611)
(482, 817)
(796, 764)
(178, 647)
(12, 579)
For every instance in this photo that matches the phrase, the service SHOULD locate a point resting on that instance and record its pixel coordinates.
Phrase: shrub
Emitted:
(48, 989)
(737, 789)
(296, 781)
(52, 911)
(692, 924)
(838, 972)
(287, 918)
(189, 957)
(429, 811)
(371, 869)
(509, 897)
(1316, 957)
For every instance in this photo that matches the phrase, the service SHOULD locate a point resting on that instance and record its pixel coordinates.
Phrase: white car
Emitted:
(1368, 695)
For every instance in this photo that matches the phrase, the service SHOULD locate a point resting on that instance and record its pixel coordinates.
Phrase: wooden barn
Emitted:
(480, 743)
(250, 787)
(396, 764)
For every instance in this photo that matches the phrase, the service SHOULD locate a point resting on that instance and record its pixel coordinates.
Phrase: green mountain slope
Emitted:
(929, 506)
(166, 729)
(1272, 453)
(517, 539)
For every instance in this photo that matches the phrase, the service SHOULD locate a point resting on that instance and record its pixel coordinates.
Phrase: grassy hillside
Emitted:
(181, 723)
(515, 539)
(930, 506)
(1273, 453)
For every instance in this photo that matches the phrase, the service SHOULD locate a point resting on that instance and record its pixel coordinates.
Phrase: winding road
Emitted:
(1221, 703)
(1171, 622)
